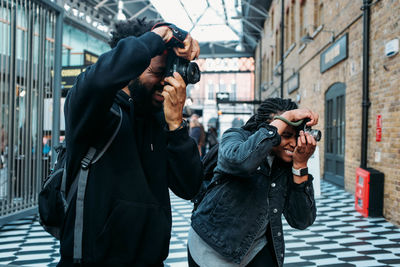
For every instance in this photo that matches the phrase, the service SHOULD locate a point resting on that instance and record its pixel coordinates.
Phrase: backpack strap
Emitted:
(80, 198)
(79, 185)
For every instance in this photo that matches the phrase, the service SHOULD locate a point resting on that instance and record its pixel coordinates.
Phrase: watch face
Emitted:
(303, 171)
(300, 172)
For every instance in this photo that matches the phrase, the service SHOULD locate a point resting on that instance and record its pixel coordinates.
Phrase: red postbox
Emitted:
(369, 192)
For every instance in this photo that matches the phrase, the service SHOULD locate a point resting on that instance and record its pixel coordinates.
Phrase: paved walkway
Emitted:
(339, 237)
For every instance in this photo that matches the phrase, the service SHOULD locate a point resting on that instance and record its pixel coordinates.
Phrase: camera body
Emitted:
(189, 71)
(307, 129)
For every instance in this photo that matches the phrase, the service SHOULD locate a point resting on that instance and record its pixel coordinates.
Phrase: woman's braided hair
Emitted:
(268, 108)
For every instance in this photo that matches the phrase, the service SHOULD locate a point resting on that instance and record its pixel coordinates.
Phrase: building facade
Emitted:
(323, 70)
(232, 77)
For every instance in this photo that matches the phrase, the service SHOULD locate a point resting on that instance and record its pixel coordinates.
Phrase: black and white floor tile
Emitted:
(339, 237)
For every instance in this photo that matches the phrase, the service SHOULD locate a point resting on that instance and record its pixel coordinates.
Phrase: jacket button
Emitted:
(270, 132)
(279, 233)
(281, 255)
(275, 211)
(273, 185)
(259, 168)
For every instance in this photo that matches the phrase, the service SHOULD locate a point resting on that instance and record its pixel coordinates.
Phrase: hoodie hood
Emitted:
(123, 100)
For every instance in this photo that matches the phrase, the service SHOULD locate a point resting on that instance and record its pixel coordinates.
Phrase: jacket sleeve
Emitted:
(241, 153)
(185, 170)
(300, 210)
(93, 93)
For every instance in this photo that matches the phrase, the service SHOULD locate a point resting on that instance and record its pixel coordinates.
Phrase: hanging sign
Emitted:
(378, 128)
(334, 54)
(89, 58)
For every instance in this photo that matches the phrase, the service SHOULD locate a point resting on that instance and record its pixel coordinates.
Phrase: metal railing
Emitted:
(27, 66)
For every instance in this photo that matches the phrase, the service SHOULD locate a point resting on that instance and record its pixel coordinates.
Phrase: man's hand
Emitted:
(191, 49)
(174, 94)
(164, 32)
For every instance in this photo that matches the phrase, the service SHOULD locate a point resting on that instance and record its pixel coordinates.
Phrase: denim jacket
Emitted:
(248, 192)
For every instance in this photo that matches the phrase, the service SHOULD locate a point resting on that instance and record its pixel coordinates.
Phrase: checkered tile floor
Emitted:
(339, 237)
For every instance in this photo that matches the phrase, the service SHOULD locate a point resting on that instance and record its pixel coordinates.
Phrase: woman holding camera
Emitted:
(261, 174)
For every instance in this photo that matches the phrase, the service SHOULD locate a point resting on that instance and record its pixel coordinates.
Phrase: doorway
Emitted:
(335, 134)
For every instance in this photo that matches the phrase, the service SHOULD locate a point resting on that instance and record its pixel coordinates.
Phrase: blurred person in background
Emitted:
(3, 146)
(196, 131)
(211, 137)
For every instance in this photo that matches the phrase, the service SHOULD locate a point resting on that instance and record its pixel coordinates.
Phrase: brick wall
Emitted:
(343, 17)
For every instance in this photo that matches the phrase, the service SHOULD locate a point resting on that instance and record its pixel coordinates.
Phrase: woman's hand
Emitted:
(300, 114)
(305, 148)
(295, 115)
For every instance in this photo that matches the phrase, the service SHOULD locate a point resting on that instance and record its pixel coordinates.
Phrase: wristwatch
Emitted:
(300, 172)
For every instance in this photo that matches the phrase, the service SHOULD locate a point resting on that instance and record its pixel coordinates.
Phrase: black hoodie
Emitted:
(127, 212)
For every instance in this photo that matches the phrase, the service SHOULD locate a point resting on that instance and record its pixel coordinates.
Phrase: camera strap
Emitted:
(295, 124)
(178, 35)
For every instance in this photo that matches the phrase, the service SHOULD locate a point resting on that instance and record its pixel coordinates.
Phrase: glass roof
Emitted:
(206, 20)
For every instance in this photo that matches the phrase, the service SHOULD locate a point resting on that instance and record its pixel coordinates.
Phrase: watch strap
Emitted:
(300, 172)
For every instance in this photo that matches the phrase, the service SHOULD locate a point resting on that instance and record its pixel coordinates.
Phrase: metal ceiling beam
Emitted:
(187, 13)
(199, 18)
(100, 4)
(141, 11)
(251, 38)
(252, 25)
(225, 14)
(260, 11)
(128, 2)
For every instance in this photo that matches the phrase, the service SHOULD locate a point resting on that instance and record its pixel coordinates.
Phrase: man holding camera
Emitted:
(127, 211)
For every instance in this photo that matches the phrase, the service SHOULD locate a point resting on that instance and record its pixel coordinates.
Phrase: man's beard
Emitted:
(143, 97)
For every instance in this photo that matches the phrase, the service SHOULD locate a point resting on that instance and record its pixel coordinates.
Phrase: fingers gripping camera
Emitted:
(189, 71)
(178, 35)
(307, 129)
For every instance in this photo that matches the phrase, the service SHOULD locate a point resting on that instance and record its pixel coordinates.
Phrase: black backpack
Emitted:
(209, 163)
(53, 202)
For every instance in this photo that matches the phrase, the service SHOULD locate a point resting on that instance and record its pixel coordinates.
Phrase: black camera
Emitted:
(307, 129)
(189, 71)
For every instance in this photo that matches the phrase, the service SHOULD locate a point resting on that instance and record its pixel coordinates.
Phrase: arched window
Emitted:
(211, 91)
(318, 13)
(303, 18)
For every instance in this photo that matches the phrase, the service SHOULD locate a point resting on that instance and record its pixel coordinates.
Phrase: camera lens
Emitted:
(316, 134)
(192, 73)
